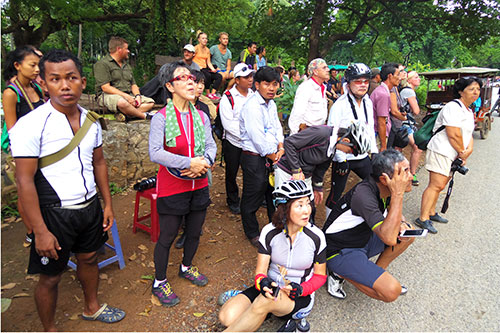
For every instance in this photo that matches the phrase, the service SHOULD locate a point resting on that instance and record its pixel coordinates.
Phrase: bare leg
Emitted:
(255, 314)
(130, 110)
(386, 288)
(46, 300)
(388, 255)
(437, 183)
(87, 272)
(415, 155)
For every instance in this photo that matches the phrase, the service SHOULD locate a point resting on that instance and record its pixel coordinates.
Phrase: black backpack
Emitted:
(217, 127)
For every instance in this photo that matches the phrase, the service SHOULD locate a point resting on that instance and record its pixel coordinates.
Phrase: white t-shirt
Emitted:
(45, 131)
(454, 115)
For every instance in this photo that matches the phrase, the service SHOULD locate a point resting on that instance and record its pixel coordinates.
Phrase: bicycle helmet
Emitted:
(290, 190)
(355, 71)
(359, 138)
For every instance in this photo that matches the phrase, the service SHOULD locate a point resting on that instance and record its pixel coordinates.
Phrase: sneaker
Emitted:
(165, 294)
(225, 296)
(437, 218)
(194, 276)
(414, 181)
(427, 224)
(404, 290)
(149, 115)
(235, 209)
(28, 240)
(336, 286)
(180, 241)
(289, 326)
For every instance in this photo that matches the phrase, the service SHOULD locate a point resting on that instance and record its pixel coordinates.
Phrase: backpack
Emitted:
(425, 134)
(217, 127)
(5, 141)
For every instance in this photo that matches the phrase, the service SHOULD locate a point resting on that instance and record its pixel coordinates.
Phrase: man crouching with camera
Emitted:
(449, 148)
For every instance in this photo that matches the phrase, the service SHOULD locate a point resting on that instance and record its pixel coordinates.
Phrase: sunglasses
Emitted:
(183, 77)
(359, 82)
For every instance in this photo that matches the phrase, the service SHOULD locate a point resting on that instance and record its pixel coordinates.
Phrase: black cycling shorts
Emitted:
(300, 303)
(76, 230)
(183, 203)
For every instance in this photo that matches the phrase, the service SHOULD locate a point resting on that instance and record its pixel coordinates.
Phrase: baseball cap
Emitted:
(242, 69)
(189, 47)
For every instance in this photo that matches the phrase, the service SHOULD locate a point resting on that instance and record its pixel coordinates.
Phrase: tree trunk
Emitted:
(79, 41)
(316, 24)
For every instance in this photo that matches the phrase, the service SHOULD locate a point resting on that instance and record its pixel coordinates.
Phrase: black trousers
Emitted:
(211, 78)
(232, 156)
(256, 187)
(363, 168)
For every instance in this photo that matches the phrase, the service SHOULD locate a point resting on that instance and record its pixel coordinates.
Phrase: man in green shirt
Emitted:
(221, 56)
(115, 84)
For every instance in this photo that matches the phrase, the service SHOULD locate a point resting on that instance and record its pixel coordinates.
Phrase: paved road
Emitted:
(453, 277)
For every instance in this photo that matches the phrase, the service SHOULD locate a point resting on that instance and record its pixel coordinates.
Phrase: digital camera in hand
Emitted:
(457, 166)
(145, 184)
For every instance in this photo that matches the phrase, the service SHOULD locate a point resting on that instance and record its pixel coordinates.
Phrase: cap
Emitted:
(189, 47)
(375, 71)
(242, 69)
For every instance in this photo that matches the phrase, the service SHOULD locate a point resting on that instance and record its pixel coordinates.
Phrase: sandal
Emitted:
(106, 314)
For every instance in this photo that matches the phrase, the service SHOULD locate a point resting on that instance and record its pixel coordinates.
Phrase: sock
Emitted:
(157, 283)
(184, 268)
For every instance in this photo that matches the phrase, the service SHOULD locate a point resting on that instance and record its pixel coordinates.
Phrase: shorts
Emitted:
(438, 163)
(77, 230)
(409, 129)
(354, 263)
(303, 304)
(183, 203)
(110, 101)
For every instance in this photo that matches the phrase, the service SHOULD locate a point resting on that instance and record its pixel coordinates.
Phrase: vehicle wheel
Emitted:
(485, 128)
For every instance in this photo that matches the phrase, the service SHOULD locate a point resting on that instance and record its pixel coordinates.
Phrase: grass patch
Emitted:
(115, 189)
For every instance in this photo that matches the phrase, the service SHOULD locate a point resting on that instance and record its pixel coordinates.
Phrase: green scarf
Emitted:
(172, 128)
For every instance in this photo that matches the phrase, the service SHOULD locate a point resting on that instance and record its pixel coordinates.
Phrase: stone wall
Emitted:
(126, 151)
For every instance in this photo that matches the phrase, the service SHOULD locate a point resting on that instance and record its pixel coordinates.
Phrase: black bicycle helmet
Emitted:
(290, 190)
(356, 71)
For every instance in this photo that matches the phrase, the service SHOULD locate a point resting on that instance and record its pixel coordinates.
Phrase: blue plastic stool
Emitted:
(117, 248)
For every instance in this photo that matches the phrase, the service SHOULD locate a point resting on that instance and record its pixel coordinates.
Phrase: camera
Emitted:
(457, 166)
(145, 184)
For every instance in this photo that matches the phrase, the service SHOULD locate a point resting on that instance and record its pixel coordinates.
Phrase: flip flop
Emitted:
(106, 314)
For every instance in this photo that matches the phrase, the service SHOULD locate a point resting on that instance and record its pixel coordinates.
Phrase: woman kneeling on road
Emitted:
(291, 250)
(453, 143)
(181, 141)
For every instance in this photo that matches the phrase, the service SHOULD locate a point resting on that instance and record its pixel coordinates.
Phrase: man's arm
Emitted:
(46, 243)
(101, 177)
(389, 230)
(227, 117)
(382, 127)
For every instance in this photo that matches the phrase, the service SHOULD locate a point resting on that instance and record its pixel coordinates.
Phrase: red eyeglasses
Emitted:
(359, 82)
(183, 77)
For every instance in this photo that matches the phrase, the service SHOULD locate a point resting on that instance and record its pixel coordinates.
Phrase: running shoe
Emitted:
(28, 240)
(193, 275)
(404, 290)
(414, 181)
(336, 286)
(427, 224)
(225, 296)
(165, 294)
(437, 218)
(289, 326)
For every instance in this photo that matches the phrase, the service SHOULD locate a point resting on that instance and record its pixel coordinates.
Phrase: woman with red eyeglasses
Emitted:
(181, 142)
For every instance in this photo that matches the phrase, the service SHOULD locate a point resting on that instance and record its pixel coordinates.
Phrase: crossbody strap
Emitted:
(91, 118)
(354, 109)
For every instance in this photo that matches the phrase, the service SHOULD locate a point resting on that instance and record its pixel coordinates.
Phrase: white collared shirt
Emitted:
(310, 106)
(260, 128)
(341, 116)
(230, 116)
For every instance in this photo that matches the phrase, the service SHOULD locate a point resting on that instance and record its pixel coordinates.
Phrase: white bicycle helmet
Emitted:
(359, 138)
(290, 190)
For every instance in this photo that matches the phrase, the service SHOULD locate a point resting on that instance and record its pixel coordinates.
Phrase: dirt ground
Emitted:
(224, 256)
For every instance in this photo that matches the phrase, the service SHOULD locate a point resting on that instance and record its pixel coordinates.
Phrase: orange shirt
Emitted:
(201, 55)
